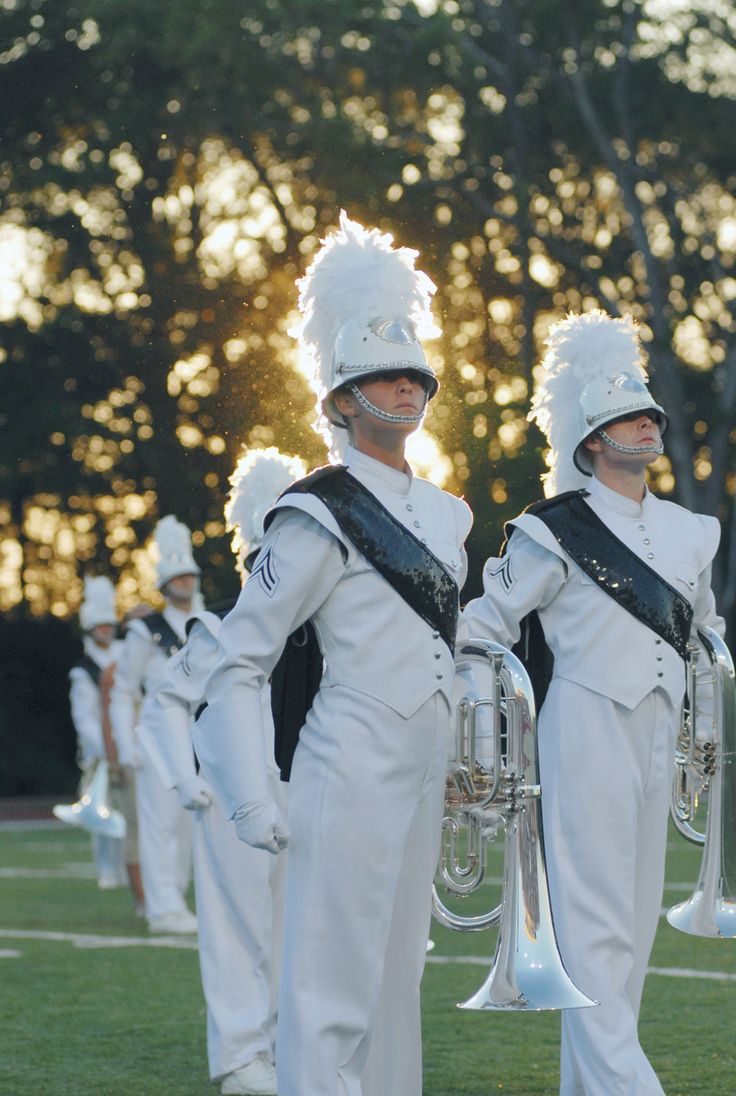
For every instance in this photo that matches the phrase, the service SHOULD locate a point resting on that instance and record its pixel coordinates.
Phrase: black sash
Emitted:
(89, 666)
(162, 633)
(616, 569)
(408, 566)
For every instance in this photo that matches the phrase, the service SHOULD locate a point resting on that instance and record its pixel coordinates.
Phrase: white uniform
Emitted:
(606, 745)
(367, 783)
(86, 706)
(165, 828)
(239, 889)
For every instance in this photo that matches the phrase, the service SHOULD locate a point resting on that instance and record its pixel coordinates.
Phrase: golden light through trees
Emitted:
(167, 175)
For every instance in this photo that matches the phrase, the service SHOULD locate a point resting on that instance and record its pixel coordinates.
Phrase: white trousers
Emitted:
(107, 853)
(165, 843)
(606, 775)
(365, 813)
(239, 893)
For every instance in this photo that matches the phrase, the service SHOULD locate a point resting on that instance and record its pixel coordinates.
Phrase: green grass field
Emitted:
(79, 1017)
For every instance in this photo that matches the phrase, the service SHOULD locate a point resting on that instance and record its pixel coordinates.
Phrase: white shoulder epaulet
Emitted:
(541, 534)
(310, 504)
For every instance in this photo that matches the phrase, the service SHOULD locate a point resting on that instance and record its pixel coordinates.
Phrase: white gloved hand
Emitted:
(194, 793)
(262, 825)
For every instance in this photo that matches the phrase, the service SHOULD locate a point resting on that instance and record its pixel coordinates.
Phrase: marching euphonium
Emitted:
(92, 811)
(705, 762)
(493, 780)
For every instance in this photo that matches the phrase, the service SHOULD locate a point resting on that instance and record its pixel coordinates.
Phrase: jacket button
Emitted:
(438, 654)
(660, 674)
(424, 540)
(409, 506)
(439, 676)
(658, 641)
(417, 525)
(642, 527)
(435, 635)
(659, 658)
(650, 555)
(647, 540)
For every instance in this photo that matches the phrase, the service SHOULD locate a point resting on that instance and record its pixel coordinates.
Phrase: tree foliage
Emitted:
(168, 169)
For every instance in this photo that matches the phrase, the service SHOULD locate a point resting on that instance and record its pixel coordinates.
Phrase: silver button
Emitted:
(650, 555)
(435, 635)
(658, 641)
(659, 658)
(424, 540)
(647, 540)
(642, 527)
(660, 674)
(417, 525)
(439, 676)
(409, 506)
(438, 654)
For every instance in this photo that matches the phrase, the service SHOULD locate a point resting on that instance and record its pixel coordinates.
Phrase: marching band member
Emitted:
(164, 827)
(239, 889)
(87, 687)
(374, 558)
(617, 577)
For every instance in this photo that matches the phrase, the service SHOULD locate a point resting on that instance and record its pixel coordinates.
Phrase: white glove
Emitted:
(262, 825)
(194, 793)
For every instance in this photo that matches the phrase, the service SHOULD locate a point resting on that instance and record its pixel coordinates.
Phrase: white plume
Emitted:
(258, 479)
(356, 274)
(579, 349)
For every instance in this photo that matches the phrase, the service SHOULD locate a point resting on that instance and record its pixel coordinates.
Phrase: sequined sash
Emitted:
(408, 566)
(615, 568)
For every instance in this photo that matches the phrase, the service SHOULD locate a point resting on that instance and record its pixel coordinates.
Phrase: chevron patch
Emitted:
(503, 573)
(265, 570)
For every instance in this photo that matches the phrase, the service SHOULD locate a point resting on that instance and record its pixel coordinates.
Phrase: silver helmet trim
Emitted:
(386, 416)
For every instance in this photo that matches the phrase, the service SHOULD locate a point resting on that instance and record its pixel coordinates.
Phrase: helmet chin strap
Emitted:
(385, 416)
(652, 447)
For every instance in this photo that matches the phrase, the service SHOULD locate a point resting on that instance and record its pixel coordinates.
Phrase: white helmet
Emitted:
(593, 375)
(173, 550)
(259, 478)
(365, 309)
(98, 604)
(607, 399)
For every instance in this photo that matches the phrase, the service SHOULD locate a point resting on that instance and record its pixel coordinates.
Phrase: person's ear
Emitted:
(593, 443)
(345, 404)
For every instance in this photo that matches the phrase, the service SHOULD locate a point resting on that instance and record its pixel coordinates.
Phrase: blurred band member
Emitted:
(373, 558)
(239, 889)
(164, 827)
(88, 695)
(618, 579)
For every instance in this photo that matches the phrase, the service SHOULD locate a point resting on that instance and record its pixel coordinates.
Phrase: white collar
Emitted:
(371, 469)
(620, 504)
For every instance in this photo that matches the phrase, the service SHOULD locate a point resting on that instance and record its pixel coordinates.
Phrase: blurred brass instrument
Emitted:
(92, 811)
(500, 787)
(706, 762)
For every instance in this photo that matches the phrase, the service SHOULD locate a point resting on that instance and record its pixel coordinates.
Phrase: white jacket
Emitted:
(595, 642)
(141, 667)
(372, 642)
(84, 697)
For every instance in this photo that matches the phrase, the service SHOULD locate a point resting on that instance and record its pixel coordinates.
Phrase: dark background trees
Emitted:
(167, 170)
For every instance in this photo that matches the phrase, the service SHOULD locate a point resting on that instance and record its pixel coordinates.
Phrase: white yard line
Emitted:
(668, 972)
(189, 943)
(87, 940)
(66, 871)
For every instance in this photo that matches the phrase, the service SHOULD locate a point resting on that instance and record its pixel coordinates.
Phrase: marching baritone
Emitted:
(164, 827)
(239, 889)
(373, 557)
(617, 578)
